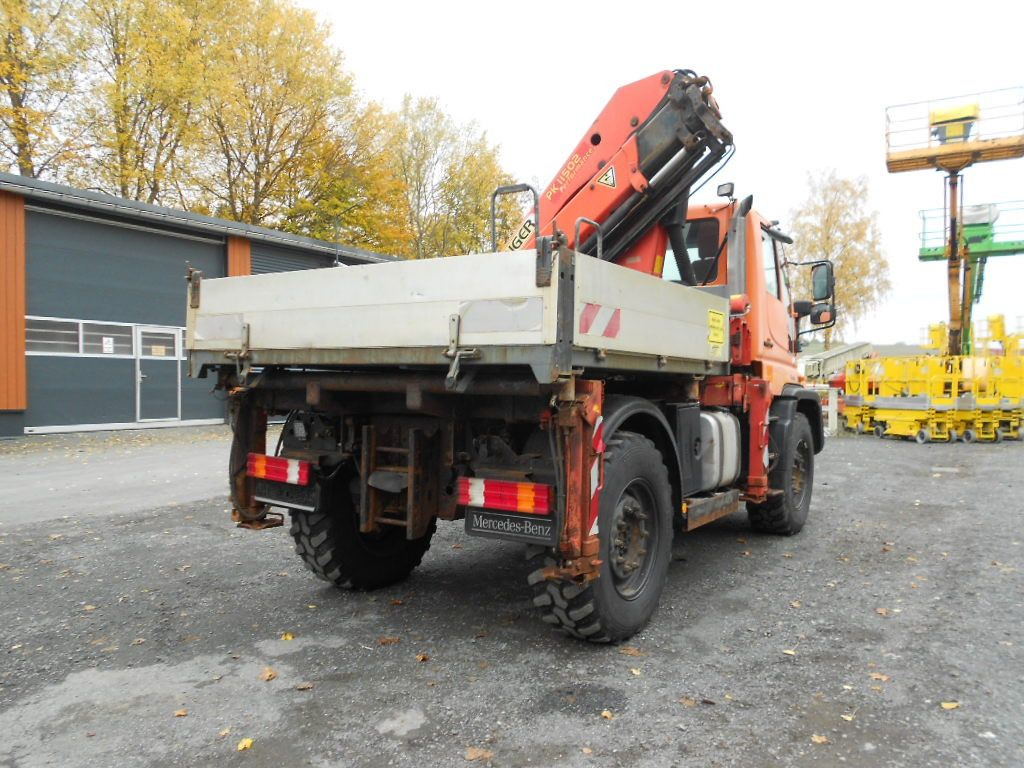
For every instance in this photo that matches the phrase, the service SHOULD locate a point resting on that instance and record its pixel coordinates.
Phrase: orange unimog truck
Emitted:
(627, 371)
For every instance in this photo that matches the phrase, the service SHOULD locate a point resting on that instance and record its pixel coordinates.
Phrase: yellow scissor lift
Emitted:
(941, 398)
(955, 393)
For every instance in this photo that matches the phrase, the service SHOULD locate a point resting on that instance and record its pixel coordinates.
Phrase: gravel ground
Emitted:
(138, 632)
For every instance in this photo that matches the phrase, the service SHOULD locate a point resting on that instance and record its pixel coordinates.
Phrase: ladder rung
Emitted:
(393, 521)
(390, 449)
(388, 468)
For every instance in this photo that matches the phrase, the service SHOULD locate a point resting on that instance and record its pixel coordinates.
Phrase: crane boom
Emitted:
(633, 170)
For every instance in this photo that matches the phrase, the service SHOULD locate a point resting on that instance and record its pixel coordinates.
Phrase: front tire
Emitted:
(785, 515)
(333, 548)
(635, 528)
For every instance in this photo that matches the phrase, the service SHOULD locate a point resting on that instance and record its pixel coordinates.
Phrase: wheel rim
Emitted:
(799, 484)
(633, 530)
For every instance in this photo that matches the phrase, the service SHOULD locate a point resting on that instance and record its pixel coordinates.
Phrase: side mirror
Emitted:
(802, 308)
(823, 281)
(823, 313)
(726, 190)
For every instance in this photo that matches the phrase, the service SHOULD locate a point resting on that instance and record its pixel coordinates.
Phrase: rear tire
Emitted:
(332, 547)
(635, 524)
(785, 515)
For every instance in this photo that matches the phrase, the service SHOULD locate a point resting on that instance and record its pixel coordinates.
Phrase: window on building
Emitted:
(104, 339)
(158, 344)
(56, 337)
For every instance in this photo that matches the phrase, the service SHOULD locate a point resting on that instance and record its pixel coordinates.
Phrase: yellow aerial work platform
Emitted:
(952, 133)
(941, 398)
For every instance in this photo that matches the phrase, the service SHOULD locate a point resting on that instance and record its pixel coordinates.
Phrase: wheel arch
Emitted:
(798, 400)
(635, 414)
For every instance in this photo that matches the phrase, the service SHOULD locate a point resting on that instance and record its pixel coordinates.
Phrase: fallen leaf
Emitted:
(387, 640)
(745, 553)
(243, 745)
(817, 738)
(687, 702)
(421, 657)
(304, 686)
(847, 718)
(631, 650)
(709, 702)
(181, 713)
(89, 608)
(787, 554)
(286, 636)
(789, 652)
(478, 753)
(138, 641)
(311, 606)
(880, 677)
(877, 688)
(796, 604)
(223, 733)
(950, 705)
(396, 601)
(586, 750)
(634, 671)
(882, 611)
(606, 714)
(268, 674)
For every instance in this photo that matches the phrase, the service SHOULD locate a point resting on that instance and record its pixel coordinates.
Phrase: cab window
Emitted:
(702, 241)
(771, 272)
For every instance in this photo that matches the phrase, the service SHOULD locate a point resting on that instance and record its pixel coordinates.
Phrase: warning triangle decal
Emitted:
(608, 177)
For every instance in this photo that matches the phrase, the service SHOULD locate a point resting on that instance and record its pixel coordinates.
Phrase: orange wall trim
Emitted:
(13, 382)
(239, 256)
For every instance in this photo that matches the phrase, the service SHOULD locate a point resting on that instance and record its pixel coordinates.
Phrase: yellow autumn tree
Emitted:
(275, 93)
(345, 191)
(149, 61)
(447, 172)
(834, 222)
(39, 63)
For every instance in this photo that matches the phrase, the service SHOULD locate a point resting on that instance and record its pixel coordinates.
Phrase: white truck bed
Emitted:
(593, 314)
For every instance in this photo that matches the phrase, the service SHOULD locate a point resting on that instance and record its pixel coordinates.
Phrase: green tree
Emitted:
(834, 223)
(38, 64)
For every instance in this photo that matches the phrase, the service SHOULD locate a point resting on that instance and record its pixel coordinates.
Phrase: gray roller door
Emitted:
(95, 271)
(92, 270)
(269, 258)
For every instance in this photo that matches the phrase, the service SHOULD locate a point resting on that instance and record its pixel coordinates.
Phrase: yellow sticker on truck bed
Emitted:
(716, 327)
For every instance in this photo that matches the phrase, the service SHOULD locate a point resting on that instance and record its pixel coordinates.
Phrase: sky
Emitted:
(803, 86)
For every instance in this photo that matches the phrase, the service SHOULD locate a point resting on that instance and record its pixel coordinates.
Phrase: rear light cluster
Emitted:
(530, 498)
(292, 471)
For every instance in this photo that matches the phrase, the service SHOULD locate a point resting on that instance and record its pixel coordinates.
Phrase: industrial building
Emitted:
(92, 305)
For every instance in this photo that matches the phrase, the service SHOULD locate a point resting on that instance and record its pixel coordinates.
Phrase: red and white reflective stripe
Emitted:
(600, 320)
(596, 479)
(530, 498)
(291, 471)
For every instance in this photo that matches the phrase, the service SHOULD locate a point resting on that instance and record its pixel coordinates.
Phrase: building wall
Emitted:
(273, 258)
(12, 303)
(78, 287)
(87, 270)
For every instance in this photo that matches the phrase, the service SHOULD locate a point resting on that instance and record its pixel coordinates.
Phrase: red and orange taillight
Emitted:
(292, 471)
(528, 498)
